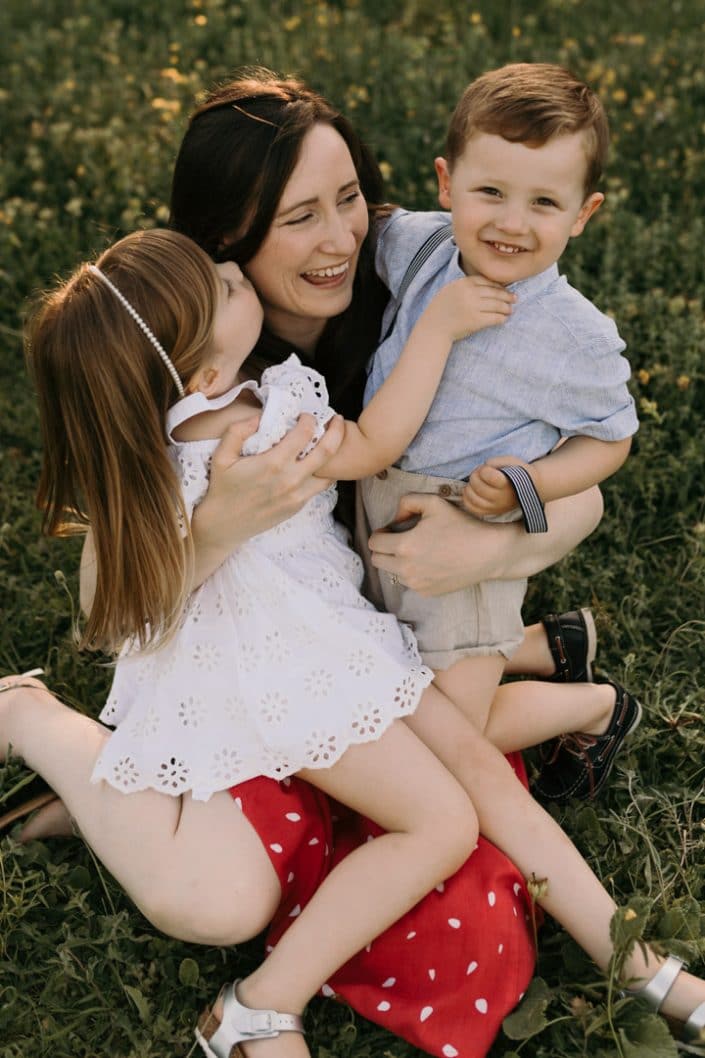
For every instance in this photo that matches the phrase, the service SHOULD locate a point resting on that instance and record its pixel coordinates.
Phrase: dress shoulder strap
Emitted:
(426, 250)
(196, 403)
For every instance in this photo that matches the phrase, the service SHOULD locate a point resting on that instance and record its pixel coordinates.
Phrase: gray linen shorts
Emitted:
(482, 620)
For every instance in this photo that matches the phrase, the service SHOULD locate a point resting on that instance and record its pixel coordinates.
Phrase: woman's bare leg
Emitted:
(512, 820)
(201, 873)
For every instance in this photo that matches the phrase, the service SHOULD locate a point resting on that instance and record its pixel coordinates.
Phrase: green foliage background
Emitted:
(93, 99)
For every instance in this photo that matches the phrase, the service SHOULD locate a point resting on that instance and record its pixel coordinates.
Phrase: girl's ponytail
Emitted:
(103, 396)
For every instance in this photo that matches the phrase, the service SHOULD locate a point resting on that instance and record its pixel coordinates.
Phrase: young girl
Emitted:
(109, 352)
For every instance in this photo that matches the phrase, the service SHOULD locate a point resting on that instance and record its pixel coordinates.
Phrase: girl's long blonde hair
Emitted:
(103, 397)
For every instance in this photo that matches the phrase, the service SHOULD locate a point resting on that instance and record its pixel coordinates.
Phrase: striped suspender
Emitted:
(417, 262)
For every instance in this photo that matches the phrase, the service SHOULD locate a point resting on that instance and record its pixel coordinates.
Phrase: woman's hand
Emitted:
(249, 494)
(449, 550)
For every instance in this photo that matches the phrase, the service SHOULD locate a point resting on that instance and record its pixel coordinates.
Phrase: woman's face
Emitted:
(304, 269)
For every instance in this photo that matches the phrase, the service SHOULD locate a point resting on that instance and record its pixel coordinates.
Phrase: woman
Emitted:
(313, 269)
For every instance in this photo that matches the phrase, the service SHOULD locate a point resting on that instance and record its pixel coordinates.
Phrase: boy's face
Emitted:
(515, 207)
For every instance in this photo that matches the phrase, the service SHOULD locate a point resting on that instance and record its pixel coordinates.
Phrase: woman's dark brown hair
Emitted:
(237, 155)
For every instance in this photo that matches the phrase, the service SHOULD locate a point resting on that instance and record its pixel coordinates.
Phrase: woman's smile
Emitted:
(329, 276)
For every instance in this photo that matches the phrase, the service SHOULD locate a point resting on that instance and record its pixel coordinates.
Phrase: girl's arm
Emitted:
(450, 550)
(575, 465)
(398, 408)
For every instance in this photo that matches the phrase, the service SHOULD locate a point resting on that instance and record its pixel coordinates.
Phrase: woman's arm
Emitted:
(449, 550)
(246, 495)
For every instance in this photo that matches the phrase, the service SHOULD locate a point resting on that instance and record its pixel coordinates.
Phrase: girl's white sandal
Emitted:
(656, 990)
(241, 1024)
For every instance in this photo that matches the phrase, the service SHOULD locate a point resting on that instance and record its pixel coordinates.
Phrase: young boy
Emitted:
(524, 153)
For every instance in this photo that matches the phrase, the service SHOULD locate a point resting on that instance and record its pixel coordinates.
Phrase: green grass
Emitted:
(93, 100)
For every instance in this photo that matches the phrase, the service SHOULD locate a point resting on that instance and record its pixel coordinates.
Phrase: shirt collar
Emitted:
(525, 288)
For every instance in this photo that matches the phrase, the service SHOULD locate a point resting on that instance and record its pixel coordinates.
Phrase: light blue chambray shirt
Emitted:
(553, 370)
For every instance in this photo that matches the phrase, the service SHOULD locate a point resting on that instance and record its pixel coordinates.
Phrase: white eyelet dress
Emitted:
(279, 663)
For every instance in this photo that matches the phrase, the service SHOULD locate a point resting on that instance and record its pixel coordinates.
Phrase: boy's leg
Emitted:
(560, 647)
(530, 712)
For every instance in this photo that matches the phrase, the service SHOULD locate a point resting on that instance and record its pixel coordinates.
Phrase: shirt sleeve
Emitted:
(590, 396)
(398, 240)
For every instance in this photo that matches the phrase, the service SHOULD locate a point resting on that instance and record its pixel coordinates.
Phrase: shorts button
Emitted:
(383, 475)
(445, 490)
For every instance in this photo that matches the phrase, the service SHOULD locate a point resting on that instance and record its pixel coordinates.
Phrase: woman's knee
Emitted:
(219, 915)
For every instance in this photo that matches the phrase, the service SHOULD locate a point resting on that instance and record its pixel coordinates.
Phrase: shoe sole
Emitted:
(591, 633)
(610, 764)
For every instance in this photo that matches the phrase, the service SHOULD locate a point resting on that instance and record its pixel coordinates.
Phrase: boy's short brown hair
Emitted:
(531, 103)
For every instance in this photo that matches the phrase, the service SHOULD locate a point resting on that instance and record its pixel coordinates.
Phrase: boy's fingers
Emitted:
(485, 481)
(492, 478)
(483, 281)
(477, 504)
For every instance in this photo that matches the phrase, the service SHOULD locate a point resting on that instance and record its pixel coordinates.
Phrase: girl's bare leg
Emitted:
(431, 830)
(527, 713)
(201, 873)
(512, 820)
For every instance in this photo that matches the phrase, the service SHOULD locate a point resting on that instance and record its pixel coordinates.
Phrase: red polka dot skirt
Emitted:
(445, 975)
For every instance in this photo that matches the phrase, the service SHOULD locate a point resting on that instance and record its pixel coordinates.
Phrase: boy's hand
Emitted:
(471, 304)
(489, 491)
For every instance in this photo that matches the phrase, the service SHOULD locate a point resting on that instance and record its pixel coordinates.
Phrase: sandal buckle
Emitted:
(260, 1021)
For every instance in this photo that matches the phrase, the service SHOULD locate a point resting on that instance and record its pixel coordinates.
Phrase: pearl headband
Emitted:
(143, 327)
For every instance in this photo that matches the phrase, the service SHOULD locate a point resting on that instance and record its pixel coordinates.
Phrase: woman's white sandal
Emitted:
(241, 1024)
(656, 990)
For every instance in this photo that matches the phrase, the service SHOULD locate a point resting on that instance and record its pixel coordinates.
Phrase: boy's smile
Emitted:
(515, 207)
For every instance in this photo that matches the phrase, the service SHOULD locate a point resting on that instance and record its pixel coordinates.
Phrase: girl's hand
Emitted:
(249, 494)
(488, 491)
(470, 304)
